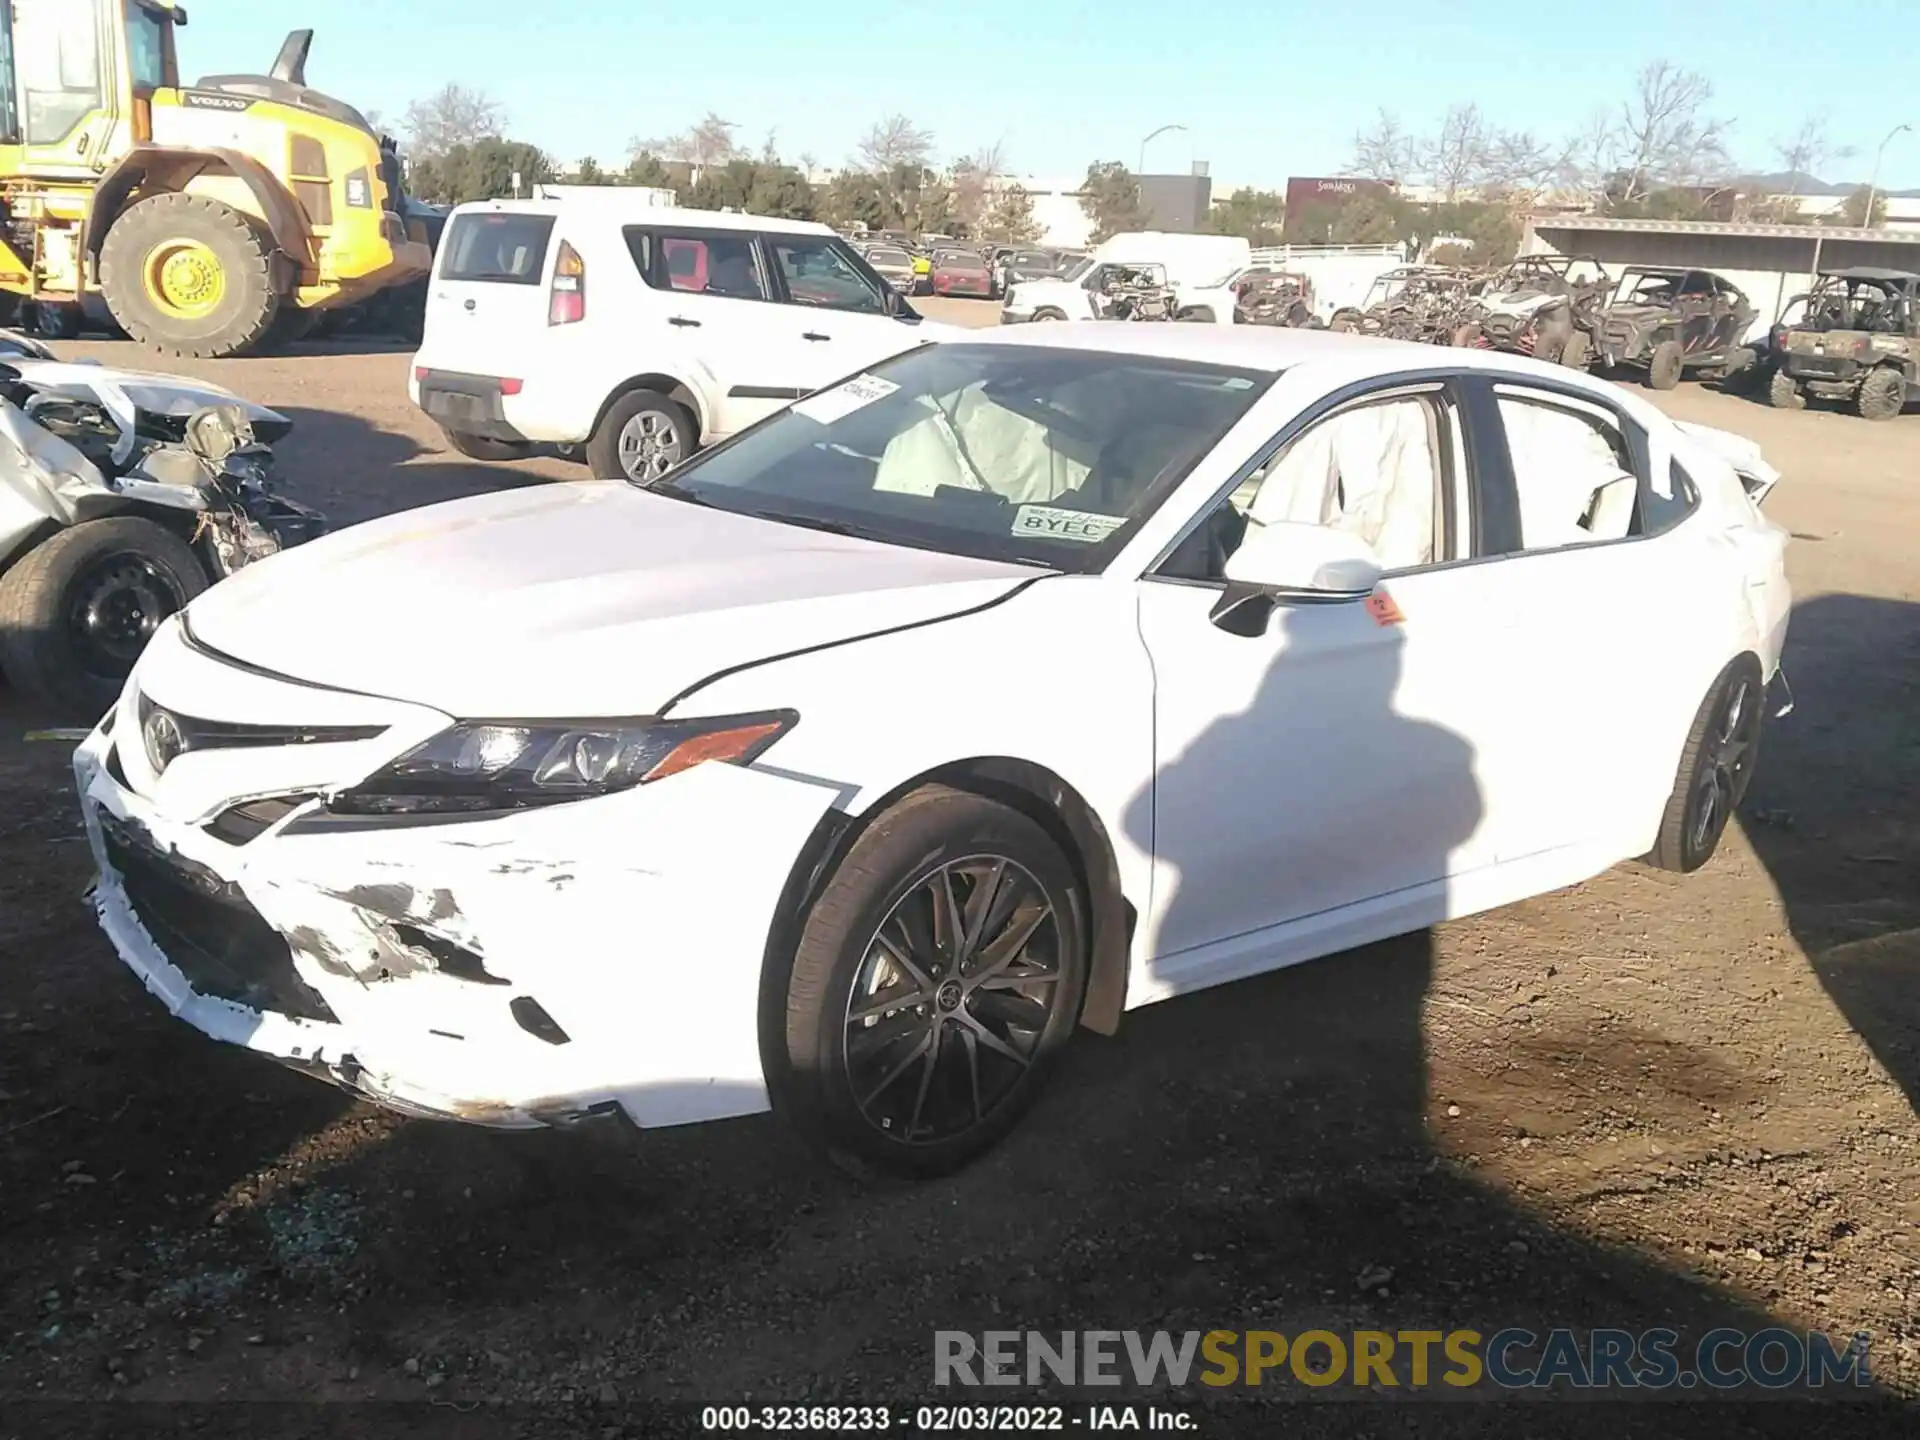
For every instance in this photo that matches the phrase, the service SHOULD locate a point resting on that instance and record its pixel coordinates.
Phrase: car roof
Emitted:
(1250, 347)
(634, 210)
(1870, 272)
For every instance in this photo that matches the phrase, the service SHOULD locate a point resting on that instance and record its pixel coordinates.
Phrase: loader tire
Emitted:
(190, 276)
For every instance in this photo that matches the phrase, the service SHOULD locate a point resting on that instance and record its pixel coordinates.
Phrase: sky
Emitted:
(1264, 90)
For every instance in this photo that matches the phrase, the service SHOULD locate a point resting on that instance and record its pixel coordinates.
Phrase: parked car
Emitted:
(123, 495)
(792, 863)
(893, 265)
(1858, 340)
(1024, 265)
(1669, 321)
(640, 333)
(961, 272)
(1199, 271)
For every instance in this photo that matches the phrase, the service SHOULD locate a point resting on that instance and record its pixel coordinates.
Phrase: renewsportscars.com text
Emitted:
(1511, 1359)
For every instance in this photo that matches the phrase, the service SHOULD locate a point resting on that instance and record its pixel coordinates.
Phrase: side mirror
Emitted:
(1290, 561)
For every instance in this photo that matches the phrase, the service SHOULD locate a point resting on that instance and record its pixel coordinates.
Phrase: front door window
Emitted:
(57, 58)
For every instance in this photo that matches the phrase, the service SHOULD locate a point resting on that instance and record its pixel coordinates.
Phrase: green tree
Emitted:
(1491, 230)
(1369, 219)
(1010, 216)
(588, 172)
(1853, 210)
(1257, 216)
(857, 197)
(646, 168)
(755, 187)
(1110, 199)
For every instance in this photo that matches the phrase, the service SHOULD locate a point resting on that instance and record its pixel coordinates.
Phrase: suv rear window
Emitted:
(501, 247)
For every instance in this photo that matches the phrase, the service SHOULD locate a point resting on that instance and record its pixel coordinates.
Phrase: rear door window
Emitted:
(697, 262)
(497, 247)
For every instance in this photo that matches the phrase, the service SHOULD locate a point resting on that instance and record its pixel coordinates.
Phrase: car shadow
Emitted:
(1834, 815)
(353, 470)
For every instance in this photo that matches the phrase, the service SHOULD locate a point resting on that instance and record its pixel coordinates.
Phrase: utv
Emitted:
(1670, 321)
(1274, 297)
(1857, 340)
(1414, 302)
(1546, 306)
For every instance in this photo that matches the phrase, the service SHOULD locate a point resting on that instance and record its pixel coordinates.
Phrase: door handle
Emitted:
(814, 335)
(682, 320)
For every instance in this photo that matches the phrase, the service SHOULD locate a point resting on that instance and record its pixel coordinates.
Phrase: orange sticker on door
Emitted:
(1380, 605)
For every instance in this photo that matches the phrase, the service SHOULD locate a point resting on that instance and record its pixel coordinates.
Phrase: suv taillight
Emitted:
(567, 301)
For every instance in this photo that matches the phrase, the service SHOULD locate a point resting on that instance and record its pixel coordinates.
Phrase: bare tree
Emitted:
(452, 115)
(769, 150)
(1520, 160)
(973, 180)
(1455, 156)
(710, 142)
(1807, 150)
(1590, 156)
(1384, 151)
(809, 162)
(893, 142)
(1667, 136)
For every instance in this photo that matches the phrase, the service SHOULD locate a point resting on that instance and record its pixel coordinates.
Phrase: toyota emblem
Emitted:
(165, 740)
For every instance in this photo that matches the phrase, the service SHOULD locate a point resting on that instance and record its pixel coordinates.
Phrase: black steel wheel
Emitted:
(935, 981)
(76, 611)
(1716, 767)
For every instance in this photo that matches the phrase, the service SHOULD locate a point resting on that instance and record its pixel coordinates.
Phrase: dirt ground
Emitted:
(1648, 1100)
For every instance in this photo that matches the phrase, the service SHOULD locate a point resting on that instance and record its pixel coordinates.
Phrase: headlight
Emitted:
(490, 765)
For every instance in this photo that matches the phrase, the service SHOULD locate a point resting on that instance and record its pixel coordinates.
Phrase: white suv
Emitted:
(638, 331)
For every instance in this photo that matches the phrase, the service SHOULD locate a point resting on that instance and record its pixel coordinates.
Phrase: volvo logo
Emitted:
(164, 739)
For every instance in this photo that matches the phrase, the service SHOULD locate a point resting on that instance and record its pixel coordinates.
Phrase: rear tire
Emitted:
(485, 447)
(55, 321)
(642, 436)
(1716, 766)
(76, 610)
(1882, 394)
(973, 1044)
(1783, 393)
(1665, 365)
(189, 276)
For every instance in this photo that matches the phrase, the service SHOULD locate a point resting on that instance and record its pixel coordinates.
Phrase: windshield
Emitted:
(1029, 454)
(1078, 269)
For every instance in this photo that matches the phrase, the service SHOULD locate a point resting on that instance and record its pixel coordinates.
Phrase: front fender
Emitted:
(158, 169)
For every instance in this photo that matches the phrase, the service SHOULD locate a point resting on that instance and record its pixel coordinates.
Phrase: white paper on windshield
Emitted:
(1056, 524)
(842, 400)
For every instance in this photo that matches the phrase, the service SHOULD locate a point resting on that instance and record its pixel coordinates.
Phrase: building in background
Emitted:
(1177, 202)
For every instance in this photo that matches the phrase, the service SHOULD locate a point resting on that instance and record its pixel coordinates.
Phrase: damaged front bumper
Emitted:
(536, 968)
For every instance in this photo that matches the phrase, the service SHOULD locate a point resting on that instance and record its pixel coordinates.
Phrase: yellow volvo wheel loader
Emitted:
(211, 218)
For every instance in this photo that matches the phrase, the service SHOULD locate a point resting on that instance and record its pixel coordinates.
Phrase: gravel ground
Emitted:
(1643, 1101)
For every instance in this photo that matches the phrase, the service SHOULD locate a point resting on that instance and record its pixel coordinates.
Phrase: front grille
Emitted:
(207, 928)
(238, 824)
(198, 733)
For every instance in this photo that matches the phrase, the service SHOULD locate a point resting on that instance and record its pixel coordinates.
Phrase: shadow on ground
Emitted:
(1835, 816)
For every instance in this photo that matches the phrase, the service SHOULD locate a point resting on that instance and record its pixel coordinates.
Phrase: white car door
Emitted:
(834, 319)
(1348, 753)
(716, 309)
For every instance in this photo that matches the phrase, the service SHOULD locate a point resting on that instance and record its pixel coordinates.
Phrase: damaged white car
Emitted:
(855, 765)
(122, 496)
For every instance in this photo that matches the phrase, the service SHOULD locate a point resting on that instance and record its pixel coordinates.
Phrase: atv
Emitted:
(1546, 306)
(125, 495)
(1857, 340)
(1670, 321)
(1274, 297)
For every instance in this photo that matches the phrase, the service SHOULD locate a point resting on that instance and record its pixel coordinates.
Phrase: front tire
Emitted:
(189, 276)
(1882, 394)
(1783, 393)
(1665, 364)
(935, 982)
(76, 611)
(642, 436)
(1716, 766)
(1577, 352)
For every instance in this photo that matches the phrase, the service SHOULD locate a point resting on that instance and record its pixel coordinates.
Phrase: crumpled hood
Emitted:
(593, 598)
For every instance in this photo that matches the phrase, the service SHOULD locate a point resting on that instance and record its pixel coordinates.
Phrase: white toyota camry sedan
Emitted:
(983, 696)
